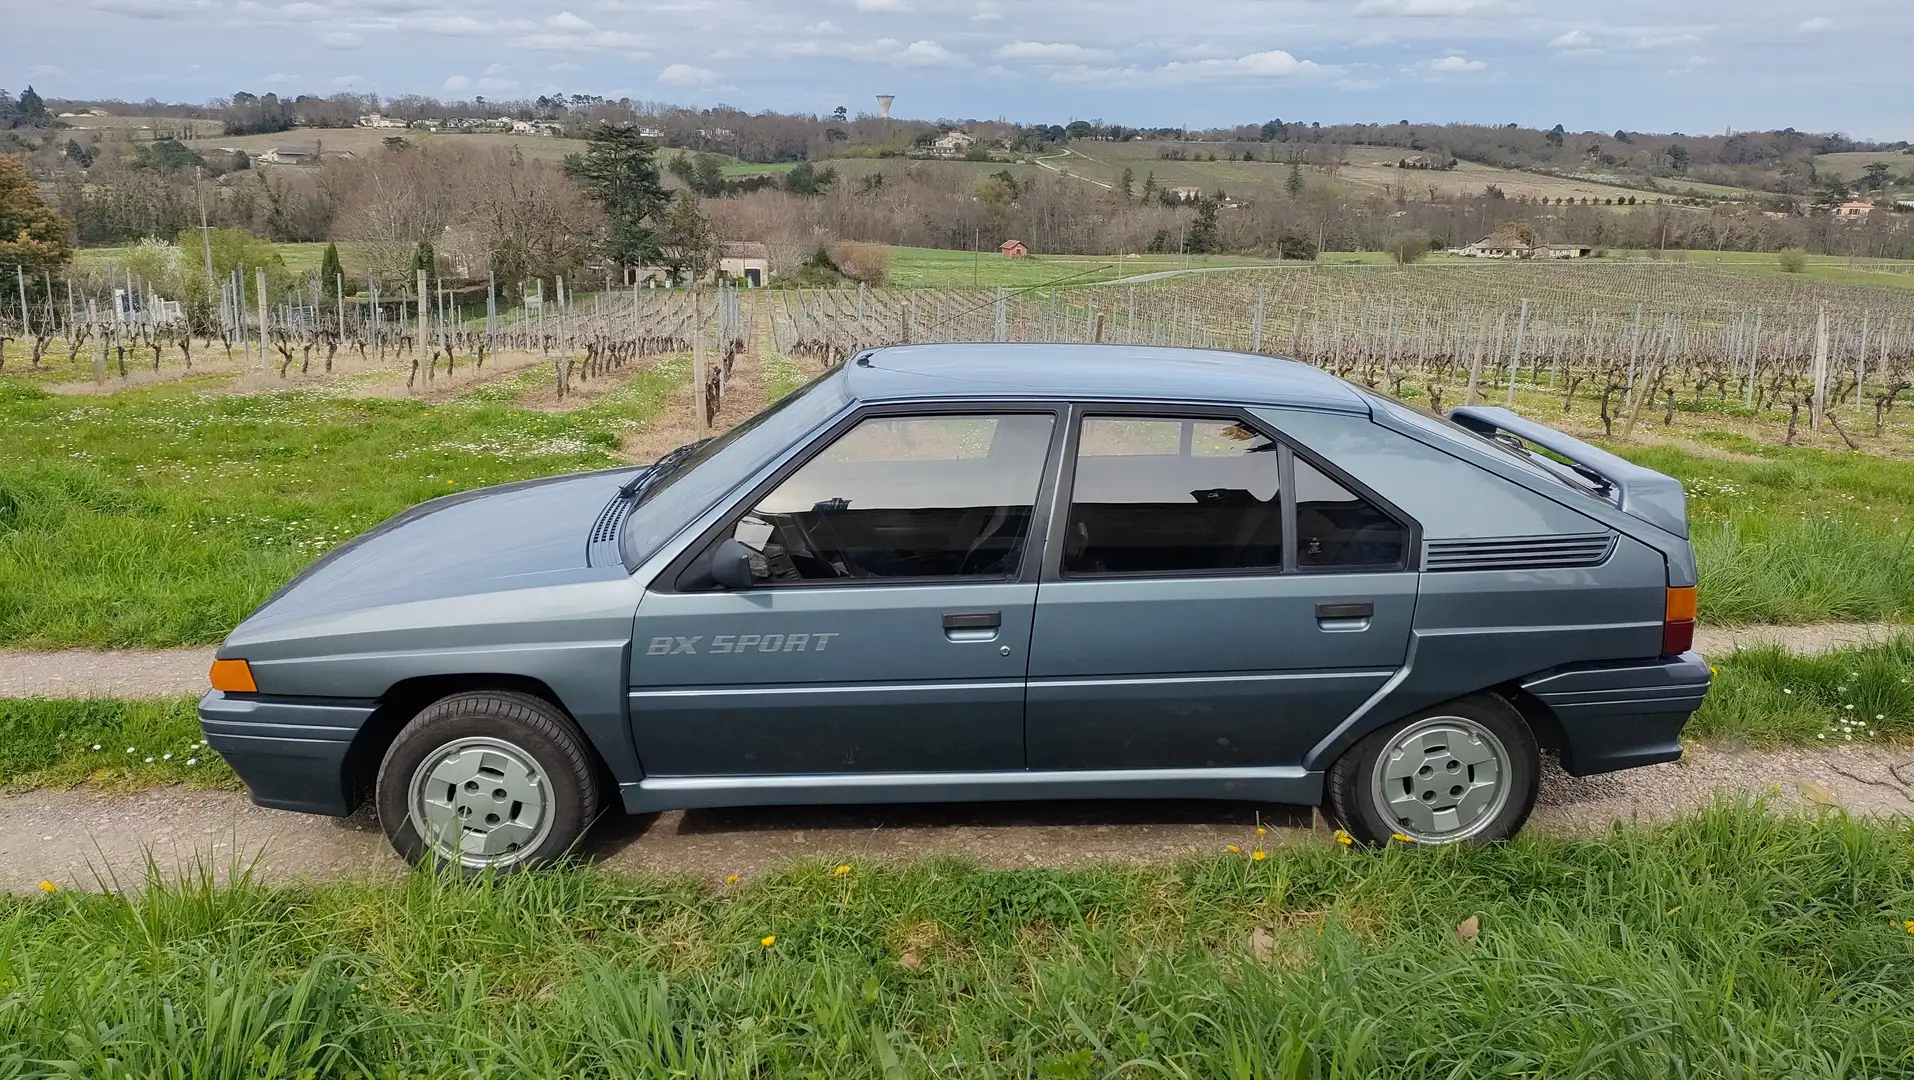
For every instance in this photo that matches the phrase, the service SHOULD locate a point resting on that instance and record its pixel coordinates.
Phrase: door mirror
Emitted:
(731, 565)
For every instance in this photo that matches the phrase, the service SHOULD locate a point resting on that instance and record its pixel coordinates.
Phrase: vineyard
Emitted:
(1600, 347)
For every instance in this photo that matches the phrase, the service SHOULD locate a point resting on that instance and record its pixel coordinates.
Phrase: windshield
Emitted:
(690, 484)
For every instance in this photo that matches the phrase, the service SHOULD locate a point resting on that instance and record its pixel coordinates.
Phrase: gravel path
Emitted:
(85, 839)
(134, 673)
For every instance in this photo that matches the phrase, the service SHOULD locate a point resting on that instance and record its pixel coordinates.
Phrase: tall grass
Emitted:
(163, 516)
(1731, 943)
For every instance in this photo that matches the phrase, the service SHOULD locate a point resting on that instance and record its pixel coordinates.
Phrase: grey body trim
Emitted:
(1643, 493)
(1282, 784)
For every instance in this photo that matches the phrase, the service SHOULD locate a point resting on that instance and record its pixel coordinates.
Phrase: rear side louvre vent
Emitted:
(1520, 552)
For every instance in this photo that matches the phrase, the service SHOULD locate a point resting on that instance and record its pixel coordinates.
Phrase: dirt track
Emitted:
(83, 838)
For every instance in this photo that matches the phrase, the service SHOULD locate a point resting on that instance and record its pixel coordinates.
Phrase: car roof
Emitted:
(1093, 372)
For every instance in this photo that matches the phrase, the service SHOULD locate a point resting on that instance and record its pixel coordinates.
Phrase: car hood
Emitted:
(513, 536)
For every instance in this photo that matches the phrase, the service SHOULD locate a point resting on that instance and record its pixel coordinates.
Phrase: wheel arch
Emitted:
(406, 698)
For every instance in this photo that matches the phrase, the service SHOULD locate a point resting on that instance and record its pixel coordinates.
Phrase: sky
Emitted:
(1696, 66)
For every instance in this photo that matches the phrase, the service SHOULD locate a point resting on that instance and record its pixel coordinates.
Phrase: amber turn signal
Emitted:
(233, 677)
(1678, 621)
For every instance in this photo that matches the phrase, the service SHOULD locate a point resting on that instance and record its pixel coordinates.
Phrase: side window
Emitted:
(1336, 528)
(906, 497)
(1166, 495)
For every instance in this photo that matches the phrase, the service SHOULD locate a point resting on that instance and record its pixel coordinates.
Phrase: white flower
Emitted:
(163, 757)
(192, 761)
(149, 759)
(96, 746)
(1785, 690)
(129, 749)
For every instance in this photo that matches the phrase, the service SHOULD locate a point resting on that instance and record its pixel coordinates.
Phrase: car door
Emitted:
(888, 625)
(1211, 598)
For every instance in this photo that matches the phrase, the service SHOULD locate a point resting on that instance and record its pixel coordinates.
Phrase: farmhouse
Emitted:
(1514, 240)
(744, 260)
(952, 144)
(1013, 249)
(1187, 193)
(376, 120)
(1853, 210)
(290, 155)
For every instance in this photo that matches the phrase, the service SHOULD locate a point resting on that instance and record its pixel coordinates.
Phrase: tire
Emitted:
(1480, 746)
(508, 773)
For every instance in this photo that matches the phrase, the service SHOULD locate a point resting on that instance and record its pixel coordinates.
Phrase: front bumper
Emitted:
(290, 751)
(1621, 714)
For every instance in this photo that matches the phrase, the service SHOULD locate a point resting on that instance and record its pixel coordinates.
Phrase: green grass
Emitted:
(927, 267)
(300, 257)
(758, 168)
(1833, 269)
(1794, 535)
(1732, 943)
(108, 742)
(162, 516)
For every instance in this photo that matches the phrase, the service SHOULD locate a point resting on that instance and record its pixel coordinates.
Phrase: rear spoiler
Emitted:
(1642, 493)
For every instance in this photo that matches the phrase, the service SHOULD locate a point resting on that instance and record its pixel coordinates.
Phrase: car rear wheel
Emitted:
(1465, 772)
(487, 780)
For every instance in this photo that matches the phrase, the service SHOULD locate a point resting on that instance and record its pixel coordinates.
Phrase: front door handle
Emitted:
(1363, 609)
(973, 620)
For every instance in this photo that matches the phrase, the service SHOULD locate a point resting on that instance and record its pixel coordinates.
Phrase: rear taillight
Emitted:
(1678, 621)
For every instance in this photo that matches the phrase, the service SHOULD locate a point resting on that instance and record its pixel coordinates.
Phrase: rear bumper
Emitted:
(1618, 715)
(290, 751)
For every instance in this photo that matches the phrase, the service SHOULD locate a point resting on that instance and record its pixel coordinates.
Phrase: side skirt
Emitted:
(1286, 784)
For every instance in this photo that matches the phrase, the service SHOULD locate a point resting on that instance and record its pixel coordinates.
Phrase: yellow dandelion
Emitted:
(49, 887)
(731, 879)
(1258, 855)
(768, 940)
(1344, 838)
(1401, 839)
(840, 871)
(1908, 925)
(1233, 850)
(1260, 831)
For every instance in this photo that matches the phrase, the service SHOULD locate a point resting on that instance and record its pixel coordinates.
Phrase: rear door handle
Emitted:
(973, 620)
(1363, 609)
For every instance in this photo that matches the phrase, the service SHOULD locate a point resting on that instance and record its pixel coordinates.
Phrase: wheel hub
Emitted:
(1442, 780)
(481, 802)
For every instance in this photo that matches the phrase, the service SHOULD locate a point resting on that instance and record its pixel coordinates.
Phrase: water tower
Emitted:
(884, 110)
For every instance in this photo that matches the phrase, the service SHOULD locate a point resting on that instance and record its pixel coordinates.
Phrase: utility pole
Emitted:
(205, 235)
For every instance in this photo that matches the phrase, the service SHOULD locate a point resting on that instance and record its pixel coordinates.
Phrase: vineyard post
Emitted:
(697, 366)
(1634, 353)
(339, 300)
(259, 276)
(1860, 362)
(1470, 396)
(1754, 360)
(26, 322)
(99, 342)
(1820, 376)
(1515, 361)
(1256, 327)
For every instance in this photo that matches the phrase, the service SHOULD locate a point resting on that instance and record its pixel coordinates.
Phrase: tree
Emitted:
(1125, 183)
(78, 154)
(1554, 136)
(1202, 239)
(807, 179)
(424, 258)
(1623, 136)
(619, 171)
(1792, 260)
(33, 235)
(330, 271)
(1294, 183)
(30, 111)
(1874, 177)
(1677, 156)
(687, 243)
(840, 114)
(1407, 247)
(1149, 186)
(1273, 131)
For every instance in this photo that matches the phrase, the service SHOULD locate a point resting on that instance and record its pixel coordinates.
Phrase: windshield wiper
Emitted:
(639, 486)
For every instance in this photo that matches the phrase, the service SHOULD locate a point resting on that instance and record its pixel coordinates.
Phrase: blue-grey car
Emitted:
(968, 572)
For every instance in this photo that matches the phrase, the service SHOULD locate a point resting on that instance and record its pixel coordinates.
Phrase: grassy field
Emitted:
(1848, 166)
(1834, 269)
(1732, 943)
(163, 515)
(300, 258)
(913, 267)
(363, 141)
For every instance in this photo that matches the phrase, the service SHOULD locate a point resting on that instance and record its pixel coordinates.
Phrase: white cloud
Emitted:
(46, 71)
(882, 51)
(280, 78)
(497, 69)
(1815, 25)
(1041, 52)
(347, 82)
(1435, 9)
(1453, 65)
(880, 5)
(152, 9)
(822, 27)
(1693, 63)
(987, 12)
(686, 75)
(1574, 39)
(566, 65)
(566, 23)
(496, 84)
(342, 39)
(456, 84)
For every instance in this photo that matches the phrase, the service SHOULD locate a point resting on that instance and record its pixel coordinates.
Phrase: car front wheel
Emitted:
(487, 780)
(1464, 772)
